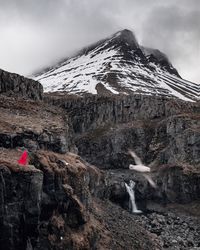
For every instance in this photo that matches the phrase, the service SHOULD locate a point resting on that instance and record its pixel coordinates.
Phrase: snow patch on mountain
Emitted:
(120, 65)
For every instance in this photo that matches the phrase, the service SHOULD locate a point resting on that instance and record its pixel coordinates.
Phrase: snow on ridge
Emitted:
(82, 73)
(81, 77)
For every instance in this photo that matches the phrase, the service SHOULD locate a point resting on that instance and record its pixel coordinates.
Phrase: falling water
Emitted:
(130, 190)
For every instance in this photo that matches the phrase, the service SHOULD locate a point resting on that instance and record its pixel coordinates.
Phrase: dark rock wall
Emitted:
(16, 85)
(55, 140)
(179, 184)
(158, 129)
(175, 184)
(20, 207)
(48, 207)
(89, 113)
(108, 148)
(169, 141)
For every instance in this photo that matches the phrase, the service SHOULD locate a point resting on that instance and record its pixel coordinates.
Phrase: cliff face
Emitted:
(54, 205)
(157, 142)
(21, 191)
(33, 125)
(162, 130)
(42, 207)
(62, 202)
(15, 85)
(91, 112)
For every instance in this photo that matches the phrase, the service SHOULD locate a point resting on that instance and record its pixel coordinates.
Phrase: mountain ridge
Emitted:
(118, 65)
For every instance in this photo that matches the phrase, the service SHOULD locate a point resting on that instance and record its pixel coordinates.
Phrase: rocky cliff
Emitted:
(15, 85)
(55, 202)
(47, 207)
(62, 201)
(162, 130)
(52, 205)
(33, 125)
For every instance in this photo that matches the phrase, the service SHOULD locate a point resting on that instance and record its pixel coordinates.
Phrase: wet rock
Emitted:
(21, 191)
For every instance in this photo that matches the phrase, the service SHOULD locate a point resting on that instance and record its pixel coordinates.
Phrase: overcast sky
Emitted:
(37, 33)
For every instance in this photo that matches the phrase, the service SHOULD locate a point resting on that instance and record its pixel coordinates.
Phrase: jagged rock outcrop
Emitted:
(15, 85)
(68, 186)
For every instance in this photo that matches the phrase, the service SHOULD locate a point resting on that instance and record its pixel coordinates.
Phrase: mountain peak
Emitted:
(118, 65)
(126, 36)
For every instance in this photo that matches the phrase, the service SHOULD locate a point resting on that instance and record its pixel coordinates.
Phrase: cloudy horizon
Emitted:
(36, 34)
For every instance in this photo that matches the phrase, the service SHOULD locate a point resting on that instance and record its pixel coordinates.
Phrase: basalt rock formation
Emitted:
(16, 85)
(160, 130)
(21, 190)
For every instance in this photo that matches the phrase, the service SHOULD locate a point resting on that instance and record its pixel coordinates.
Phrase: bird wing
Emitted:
(139, 168)
(135, 157)
(150, 180)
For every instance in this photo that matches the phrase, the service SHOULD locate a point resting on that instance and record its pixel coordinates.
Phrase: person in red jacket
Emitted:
(23, 160)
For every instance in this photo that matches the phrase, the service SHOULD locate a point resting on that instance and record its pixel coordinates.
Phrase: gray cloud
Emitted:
(37, 33)
(175, 30)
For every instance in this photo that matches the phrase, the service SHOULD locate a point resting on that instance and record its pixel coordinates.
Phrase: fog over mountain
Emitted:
(35, 34)
(117, 64)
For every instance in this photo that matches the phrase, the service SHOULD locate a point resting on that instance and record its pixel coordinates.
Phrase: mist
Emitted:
(36, 34)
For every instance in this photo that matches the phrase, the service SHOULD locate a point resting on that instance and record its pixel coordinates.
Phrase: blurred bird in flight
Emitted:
(140, 167)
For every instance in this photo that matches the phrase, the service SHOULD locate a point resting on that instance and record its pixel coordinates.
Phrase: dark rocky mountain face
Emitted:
(15, 85)
(118, 65)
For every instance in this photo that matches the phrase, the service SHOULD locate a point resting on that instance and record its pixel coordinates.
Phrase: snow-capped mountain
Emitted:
(117, 65)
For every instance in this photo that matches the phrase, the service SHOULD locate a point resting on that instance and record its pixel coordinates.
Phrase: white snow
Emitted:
(81, 74)
(78, 75)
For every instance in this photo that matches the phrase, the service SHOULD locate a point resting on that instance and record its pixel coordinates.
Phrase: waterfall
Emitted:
(130, 190)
